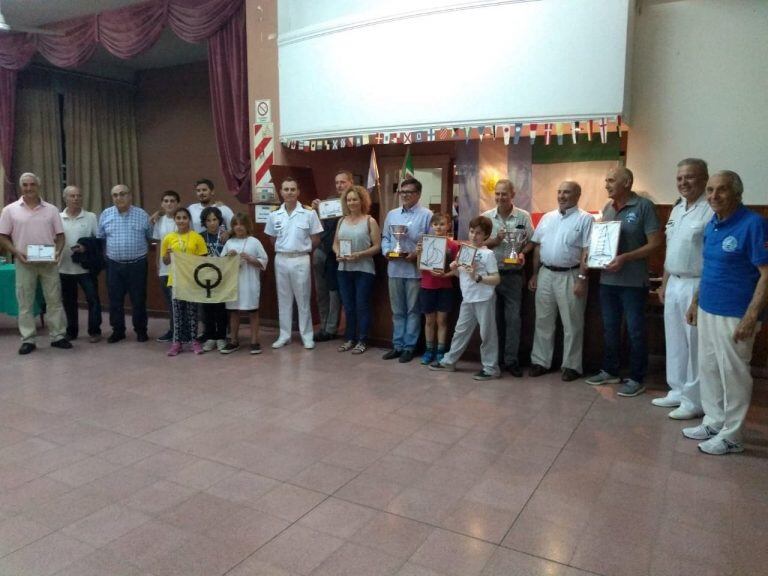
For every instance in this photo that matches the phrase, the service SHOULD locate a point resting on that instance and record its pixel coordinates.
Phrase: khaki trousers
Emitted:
(27, 276)
(554, 293)
(725, 379)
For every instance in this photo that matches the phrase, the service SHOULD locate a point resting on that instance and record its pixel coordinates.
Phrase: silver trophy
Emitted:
(516, 239)
(399, 231)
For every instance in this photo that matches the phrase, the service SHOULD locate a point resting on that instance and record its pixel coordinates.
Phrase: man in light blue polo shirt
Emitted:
(403, 272)
(728, 310)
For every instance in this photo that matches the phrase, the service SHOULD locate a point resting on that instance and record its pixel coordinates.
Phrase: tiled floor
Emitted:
(118, 461)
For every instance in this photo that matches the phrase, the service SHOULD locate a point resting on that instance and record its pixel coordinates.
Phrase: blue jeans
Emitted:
(89, 283)
(615, 302)
(356, 288)
(406, 320)
(127, 278)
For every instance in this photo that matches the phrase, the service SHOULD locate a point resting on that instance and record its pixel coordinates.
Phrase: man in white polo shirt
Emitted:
(560, 281)
(295, 232)
(682, 272)
(79, 224)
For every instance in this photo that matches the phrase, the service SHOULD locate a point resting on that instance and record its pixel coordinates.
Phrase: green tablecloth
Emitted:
(8, 303)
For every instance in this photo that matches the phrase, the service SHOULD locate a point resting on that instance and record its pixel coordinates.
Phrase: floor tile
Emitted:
(453, 554)
(299, 549)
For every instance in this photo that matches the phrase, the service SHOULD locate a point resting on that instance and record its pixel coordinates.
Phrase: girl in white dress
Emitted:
(253, 259)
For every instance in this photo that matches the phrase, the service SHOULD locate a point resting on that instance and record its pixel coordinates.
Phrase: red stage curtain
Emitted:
(126, 33)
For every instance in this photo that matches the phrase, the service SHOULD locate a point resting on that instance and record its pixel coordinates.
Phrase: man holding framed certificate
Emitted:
(31, 230)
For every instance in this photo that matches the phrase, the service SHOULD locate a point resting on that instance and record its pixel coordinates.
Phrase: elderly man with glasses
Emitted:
(127, 232)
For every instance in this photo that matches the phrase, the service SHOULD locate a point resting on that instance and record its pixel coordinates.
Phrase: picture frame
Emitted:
(466, 255)
(603, 243)
(330, 208)
(434, 250)
(345, 248)
(41, 253)
(262, 211)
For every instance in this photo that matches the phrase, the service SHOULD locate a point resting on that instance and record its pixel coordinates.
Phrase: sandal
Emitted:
(360, 348)
(346, 346)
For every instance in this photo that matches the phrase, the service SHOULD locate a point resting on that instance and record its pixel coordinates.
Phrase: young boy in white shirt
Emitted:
(163, 225)
(478, 306)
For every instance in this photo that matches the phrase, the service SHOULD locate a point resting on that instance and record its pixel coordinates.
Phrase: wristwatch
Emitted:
(479, 279)
(581, 276)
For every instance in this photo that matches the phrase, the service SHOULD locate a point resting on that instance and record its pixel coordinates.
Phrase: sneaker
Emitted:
(175, 349)
(720, 446)
(309, 345)
(428, 358)
(666, 402)
(631, 388)
(279, 343)
(442, 367)
(167, 337)
(483, 375)
(700, 432)
(220, 344)
(439, 356)
(256, 348)
(230, 347)
(601, 378)
(62, 343)
(683, 414)
(197, 348)
(209, 345)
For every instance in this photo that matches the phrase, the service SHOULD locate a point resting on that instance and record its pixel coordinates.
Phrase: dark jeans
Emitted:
(90, 285)
(509, 294)
(356, 289)
(127, 278)
(168, 297)
(629, 302)
(214, 321)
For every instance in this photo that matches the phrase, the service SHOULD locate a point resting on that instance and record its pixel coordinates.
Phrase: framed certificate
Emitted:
(330, 209)
(466, 255)
(433, 252)
(263, 211)
(345, 248)
(41, 253)
(603, 243)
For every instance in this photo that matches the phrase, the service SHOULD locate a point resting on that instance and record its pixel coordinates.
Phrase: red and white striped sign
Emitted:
(263, 153)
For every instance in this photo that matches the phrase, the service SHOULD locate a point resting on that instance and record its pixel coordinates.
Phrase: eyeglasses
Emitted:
(118, 194)
(407, 192)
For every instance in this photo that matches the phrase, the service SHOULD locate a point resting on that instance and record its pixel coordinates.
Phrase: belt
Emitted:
(139, 259)
(292, 254)
(560, 268)
(510, 271)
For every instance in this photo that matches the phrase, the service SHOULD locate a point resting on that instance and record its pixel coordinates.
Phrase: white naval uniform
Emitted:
(561, 237)
(683, 262)
(293, 244)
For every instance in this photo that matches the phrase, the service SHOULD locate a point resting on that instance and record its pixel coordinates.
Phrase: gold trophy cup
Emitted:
(516, 239)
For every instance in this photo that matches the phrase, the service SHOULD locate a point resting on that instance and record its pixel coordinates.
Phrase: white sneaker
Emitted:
(279, 343)
(666, 402)
(700, 432)
(309, 345)
(220, 344)
(720, 446)
(683, 414)
(209, 345)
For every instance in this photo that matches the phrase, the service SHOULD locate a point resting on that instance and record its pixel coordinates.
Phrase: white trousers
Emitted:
(470, 315)
(682, 344)
(292, 276)
(554, 292)
(726, 382)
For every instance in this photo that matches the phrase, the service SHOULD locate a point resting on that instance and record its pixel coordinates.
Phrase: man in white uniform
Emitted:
(295, 232)
(682, 272)
(559, 279)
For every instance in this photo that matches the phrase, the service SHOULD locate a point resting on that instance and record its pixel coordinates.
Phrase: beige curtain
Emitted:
(100, 138)
(38, 133)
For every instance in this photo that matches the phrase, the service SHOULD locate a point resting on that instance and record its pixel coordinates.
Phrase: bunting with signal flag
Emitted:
(204, 279)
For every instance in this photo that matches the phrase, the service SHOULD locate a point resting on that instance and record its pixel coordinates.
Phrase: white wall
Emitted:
(372, 66)
(700, 88)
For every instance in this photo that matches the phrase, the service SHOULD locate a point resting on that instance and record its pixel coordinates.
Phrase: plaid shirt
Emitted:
(126, 234)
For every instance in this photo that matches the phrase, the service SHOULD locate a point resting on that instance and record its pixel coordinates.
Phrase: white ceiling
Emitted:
(170, 50)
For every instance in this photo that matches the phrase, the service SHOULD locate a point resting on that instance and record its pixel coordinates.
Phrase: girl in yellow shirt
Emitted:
(187, 241)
